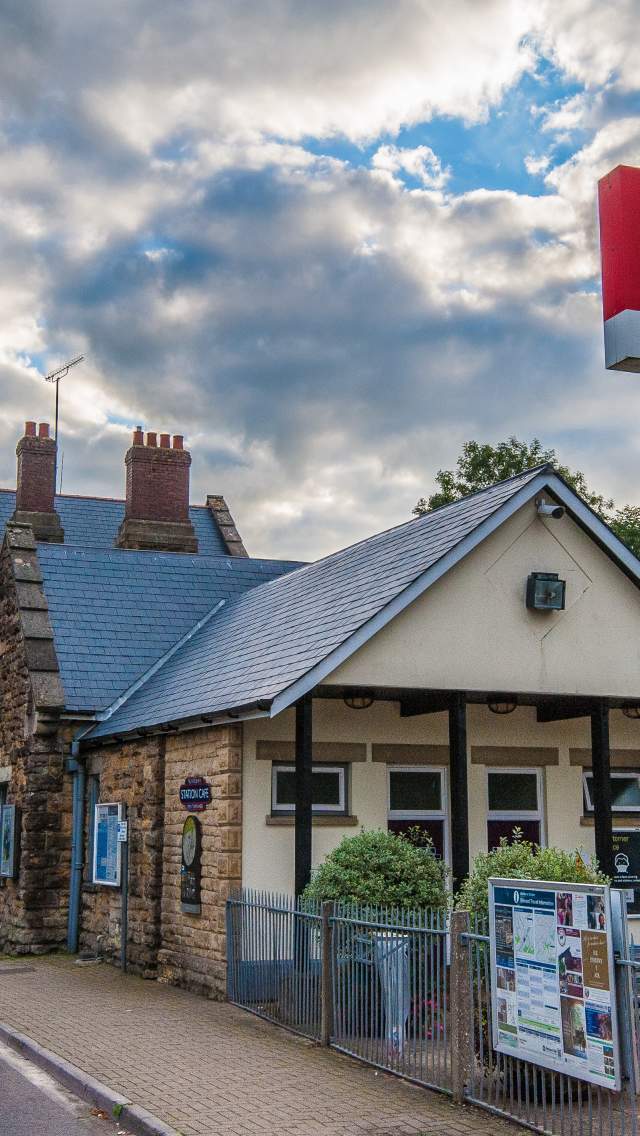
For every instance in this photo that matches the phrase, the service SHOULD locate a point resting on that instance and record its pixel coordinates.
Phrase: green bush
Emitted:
(381, 869)
(520, 860)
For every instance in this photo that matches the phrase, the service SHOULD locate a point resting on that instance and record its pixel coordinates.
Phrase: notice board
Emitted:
(106, 846)
(552, 977)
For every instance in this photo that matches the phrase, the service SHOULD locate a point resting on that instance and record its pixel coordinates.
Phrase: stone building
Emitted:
(468, 671)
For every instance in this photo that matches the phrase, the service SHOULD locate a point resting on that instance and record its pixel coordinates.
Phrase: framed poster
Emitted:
(190, 870)
(9, 815)
(552, 977)
(106, 846)
(626, 862)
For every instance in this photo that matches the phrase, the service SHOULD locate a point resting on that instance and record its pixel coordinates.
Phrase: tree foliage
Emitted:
(381, 869)
(481, 464)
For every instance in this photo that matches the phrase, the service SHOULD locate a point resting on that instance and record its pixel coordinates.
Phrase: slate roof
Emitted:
(262, 642)
(94, 521)
(114, 612)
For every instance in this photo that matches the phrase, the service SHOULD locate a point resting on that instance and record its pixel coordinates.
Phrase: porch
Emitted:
(466, 766)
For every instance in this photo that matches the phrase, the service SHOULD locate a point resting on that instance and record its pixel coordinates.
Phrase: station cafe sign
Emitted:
(195, 794)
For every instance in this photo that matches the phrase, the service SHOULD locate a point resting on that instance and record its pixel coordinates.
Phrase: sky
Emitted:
(327, 242)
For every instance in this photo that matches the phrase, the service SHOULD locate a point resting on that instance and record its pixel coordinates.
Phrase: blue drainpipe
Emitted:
(77, 768)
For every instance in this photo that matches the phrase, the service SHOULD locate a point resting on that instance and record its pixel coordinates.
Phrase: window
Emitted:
(329, 794)
(514, 800)
(418, 799)
(625, 792)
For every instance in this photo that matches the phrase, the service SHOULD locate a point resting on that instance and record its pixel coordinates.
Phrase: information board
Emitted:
(106, 846)
(8, 842)
(552, 977)
(626, 862)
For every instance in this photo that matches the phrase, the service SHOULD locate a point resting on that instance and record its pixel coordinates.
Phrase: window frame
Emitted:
(618, 775)
(419, 814)
(441, 814)
(519, 814)
(341, 809)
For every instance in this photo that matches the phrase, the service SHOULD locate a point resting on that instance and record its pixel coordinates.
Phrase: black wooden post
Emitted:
(304, 738)
(459, 794)
(600, 760)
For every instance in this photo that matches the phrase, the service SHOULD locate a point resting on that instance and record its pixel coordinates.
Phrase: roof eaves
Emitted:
(407, 596)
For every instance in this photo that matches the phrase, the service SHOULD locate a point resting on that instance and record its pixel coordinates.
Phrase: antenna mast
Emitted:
(55, 377)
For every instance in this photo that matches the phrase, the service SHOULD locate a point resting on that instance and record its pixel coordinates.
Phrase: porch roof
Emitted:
(277, 641)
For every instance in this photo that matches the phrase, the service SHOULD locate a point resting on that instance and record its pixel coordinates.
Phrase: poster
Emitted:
(552, 970)
(106, 847)
(8, 849)
(626, 860)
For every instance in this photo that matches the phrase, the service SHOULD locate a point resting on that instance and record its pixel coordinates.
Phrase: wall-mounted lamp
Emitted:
(358, 700)
(502, 703)
(631, 711)
(545, 592)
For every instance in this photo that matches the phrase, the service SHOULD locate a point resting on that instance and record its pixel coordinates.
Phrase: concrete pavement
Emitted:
(33, 1104)
(210, 1069)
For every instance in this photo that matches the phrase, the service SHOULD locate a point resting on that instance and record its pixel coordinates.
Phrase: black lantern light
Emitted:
(545, 592)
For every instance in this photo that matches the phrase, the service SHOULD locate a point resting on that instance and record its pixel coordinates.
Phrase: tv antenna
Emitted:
(55, 377)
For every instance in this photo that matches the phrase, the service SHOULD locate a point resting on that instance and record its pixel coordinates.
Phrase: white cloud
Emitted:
(420, 163)
(536, 165)
(326, 335)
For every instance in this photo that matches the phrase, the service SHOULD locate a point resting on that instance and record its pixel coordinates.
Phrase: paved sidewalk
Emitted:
(208, 1068)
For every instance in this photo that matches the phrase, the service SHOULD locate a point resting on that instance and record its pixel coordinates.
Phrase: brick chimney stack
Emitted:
(35, 490)
(157, 506)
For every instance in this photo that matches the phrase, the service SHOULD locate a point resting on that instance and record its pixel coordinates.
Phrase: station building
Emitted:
(469, 671)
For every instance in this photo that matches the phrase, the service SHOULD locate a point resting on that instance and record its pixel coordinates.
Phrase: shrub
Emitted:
(521, 860)
(381, 869)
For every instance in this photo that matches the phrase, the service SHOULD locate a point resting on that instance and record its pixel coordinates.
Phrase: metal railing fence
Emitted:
(537, 1098)
(410, 992)
(274, 961)
(390, 991)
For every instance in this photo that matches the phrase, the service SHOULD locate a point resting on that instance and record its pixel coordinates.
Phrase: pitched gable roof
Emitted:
(115, 612)
(277, 641)
(93, 522)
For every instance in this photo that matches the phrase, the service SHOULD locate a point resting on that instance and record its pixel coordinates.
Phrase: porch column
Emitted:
(304, 737)
(459, 795)
(600, 759)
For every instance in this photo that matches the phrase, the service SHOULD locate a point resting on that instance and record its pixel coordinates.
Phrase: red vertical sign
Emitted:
(619, 209)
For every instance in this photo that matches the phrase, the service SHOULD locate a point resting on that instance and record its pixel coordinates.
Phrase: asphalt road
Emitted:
(32, 1104)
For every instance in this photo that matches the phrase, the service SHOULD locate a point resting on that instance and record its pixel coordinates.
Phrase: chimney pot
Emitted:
(35, 486)
(157, 506)
(178, 441)
(138, 436)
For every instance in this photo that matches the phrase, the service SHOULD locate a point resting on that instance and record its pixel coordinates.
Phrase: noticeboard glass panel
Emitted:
(552, 977)
(106, 846)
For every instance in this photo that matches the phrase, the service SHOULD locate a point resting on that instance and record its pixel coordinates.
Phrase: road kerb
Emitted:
(121, 1108)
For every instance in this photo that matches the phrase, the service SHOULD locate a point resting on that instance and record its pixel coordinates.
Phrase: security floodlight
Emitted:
(547, 510)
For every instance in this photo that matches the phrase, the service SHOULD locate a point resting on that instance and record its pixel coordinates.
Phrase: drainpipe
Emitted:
(75, 765)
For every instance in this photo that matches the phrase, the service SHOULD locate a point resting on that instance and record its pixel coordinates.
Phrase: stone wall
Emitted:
(33, 908)
(193, 952)
(132, 774)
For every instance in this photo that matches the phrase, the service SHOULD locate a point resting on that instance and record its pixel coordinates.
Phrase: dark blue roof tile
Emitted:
(260, 643)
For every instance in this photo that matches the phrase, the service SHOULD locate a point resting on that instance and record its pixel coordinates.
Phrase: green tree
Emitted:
(481, 464)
